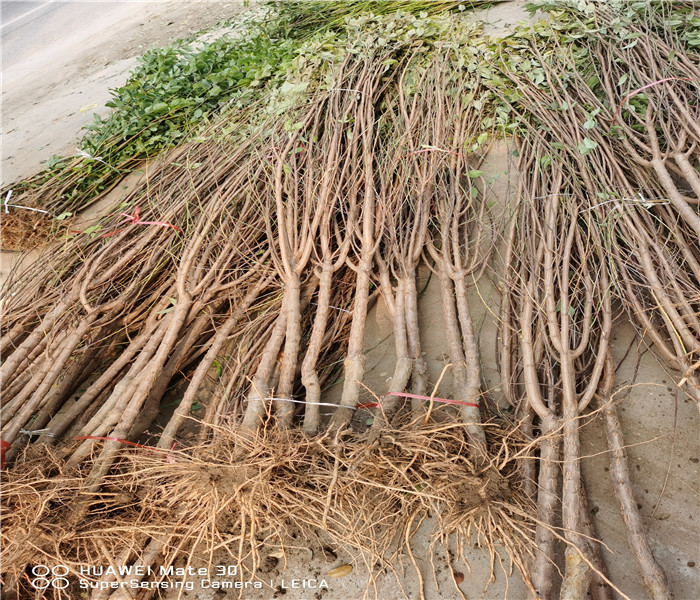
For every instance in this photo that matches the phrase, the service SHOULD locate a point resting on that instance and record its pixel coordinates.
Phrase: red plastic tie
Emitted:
(427, 398)
(135, 219)
(367, 405)
(644, 87)
(3, 446)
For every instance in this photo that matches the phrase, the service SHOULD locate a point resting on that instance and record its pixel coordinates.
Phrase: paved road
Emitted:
(60, 59)
(14, 11)
(29, 27)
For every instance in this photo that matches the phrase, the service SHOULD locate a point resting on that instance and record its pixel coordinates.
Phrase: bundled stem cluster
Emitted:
(253, 257)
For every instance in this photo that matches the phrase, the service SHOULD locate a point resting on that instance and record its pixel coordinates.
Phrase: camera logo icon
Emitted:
(54, 577)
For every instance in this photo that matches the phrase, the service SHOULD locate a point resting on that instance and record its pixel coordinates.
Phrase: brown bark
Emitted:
(292, 309)
(653, 576)
(217, 343)
(260, 386)
(38, 398)
(139, 394)
(600, 589)
(543, 568)
(309, 374)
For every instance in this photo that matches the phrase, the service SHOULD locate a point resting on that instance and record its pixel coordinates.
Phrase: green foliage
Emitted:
(175, 88)
(565, 44)
(312, 15)
(174, 91)
(282, 51)
(586, 145)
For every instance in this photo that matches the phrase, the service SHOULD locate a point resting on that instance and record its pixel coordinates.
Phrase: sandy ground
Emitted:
(59, 62)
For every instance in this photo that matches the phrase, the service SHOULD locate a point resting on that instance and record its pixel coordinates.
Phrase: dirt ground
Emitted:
(60, 63)
(58, 67)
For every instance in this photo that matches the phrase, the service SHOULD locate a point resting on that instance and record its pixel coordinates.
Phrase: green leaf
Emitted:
(475, 173)
(589, 124)
(92, 229)
(545, 161)
(64, 215)
(291, 88)
(531, 7)
(624, 77)
(586, 146)
(419, 487)
(165, 311)
(157, 107)
(571, 311)
(217, 365)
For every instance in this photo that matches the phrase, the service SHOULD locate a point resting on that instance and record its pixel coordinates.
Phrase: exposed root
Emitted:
(210, 501)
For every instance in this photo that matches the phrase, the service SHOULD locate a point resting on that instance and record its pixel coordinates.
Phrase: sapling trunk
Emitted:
(599, 587)
(472, 394)
(309, 373)
(354, 364)
(653, 575)
(542, 570)
(38, 398)
(260, 386)
(292, 309)
(110, 412)
(419, 371)
(61, 421)
(463, 388)
(139, 393)
(18, 356)
(74, 376)
(40, 362)
(404, 363)
(217, 343)
(178, 356)
(34, 363)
